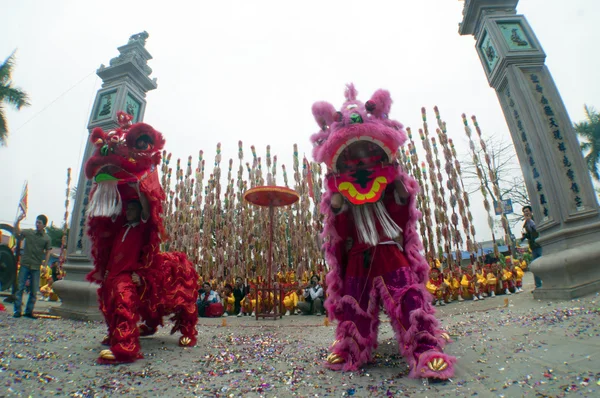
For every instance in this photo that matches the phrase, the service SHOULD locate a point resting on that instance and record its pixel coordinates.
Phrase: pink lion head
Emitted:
(359, 144)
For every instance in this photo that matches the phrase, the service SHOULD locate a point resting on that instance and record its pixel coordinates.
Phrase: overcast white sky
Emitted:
(250, 70)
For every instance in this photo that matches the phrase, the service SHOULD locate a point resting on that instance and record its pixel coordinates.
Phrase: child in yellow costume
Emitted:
(436, 286)
(290, 300)
(523, 264)
(248, 303)
(46, 283)
(481, 280)
(228, 300)
(490, 281)
(518, 274)
(507, 277)
(445, 275)
(290, 277)
(466, 286)
(266, 302)
(435, 263)
(45, 275)
(471, 284)
(456, 286)
(452, 280)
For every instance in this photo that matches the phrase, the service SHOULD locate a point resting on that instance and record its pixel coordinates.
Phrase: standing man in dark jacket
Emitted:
(531, 234)
(36, 254)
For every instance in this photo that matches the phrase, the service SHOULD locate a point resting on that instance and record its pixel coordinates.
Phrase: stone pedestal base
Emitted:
(79, 297)
(569, 273)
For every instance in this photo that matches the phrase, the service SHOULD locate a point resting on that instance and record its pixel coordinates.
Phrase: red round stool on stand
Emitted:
(271, 196)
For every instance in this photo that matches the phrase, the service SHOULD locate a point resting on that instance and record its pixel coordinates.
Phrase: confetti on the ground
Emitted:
(530, 348)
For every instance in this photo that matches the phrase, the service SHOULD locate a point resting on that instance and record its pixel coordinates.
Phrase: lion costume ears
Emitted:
(378, 106)
(324, 114)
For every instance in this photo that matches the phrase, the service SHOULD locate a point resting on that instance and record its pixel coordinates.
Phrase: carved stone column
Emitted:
(125, 83)
(558, 182)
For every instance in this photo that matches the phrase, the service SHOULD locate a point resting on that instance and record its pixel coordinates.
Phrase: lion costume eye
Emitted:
(143, 143)
(356, 118)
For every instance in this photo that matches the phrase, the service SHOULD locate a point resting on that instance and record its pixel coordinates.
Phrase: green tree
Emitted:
(55, 233)
(9, 94)
(589, 130)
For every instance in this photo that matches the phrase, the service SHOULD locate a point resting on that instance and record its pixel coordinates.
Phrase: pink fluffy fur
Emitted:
(350, 92)
(324, 113)
(355, 348)
(421, 370)
(383, 103)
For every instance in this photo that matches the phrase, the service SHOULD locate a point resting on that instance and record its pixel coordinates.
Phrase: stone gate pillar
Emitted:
(125, 83)
(559, 185)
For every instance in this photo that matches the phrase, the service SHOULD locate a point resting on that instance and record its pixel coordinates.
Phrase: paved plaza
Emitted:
(528, 348)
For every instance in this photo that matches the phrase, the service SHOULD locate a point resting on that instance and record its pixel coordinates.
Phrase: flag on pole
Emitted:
(23, 200)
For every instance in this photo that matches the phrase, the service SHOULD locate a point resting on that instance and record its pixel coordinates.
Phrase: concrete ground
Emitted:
(517, 348)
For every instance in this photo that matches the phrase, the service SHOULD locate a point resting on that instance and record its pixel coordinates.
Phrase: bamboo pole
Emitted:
(496, 187)
(450, 185)
(63, 241)
(486, 203)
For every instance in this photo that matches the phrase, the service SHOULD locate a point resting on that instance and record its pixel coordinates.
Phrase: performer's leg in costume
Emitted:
(181, 296)
(151, 306)
(122, 301)
(419, 338)
(151, 320)
(411, 316)
(358, 323)
(102, 291)
(104, 300)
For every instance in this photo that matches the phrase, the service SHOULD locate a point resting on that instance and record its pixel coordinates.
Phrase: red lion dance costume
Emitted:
(371, 243)
(168, 281)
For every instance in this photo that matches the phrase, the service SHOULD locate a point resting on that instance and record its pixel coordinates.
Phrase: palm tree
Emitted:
(73, 193)
(9, 94)
(590, 130)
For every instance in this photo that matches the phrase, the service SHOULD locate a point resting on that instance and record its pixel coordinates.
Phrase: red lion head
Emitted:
(129, 154)
(125, 154)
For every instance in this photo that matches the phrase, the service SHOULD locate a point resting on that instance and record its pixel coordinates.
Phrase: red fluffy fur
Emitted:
(169, 279)
(139, 129)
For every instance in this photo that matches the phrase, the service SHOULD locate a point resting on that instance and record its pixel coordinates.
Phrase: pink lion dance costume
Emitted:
(168, 281)
(371, 243)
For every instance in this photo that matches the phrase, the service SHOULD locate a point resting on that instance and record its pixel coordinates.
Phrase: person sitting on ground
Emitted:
(290, 300)
(228, 300)
(248, 303)
(517, 275)
(313, 298)
(239, 292)
(207, 298)
(436, 286)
